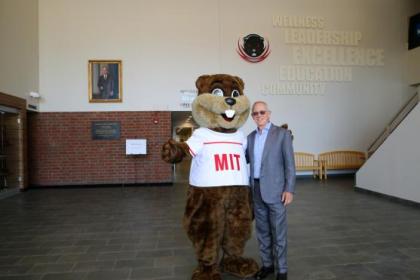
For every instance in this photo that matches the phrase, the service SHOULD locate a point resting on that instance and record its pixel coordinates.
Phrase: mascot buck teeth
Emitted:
(218, 213)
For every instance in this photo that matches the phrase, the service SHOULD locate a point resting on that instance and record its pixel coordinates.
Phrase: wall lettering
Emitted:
(319, 56)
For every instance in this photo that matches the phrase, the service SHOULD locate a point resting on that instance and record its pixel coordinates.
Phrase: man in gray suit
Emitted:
(272, 172)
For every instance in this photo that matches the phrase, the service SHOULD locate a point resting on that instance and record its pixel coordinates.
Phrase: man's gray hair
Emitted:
(260, 102)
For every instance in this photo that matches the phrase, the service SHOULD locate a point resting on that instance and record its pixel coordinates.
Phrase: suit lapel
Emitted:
(251, 146)
(268, 142)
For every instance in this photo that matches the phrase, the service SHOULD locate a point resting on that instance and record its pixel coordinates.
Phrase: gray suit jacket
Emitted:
(277, 173)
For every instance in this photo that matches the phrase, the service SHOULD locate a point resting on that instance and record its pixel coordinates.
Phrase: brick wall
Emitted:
(62, 152)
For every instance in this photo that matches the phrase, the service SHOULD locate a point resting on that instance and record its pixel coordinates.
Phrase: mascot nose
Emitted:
(230, 101)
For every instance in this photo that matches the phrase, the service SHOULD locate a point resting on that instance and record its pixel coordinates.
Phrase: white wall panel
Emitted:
(165, 45)
(19, 47)
(393, 169)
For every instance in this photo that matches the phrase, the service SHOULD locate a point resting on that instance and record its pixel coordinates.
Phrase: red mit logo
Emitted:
(221, 162)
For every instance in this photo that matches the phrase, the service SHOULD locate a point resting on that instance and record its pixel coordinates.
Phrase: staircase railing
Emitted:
(400, 116)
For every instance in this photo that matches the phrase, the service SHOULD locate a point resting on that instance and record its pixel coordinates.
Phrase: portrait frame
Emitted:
(105, 81)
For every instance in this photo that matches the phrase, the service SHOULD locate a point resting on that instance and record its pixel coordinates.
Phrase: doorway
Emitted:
(11, 166)
(183, 126)
(13, 145)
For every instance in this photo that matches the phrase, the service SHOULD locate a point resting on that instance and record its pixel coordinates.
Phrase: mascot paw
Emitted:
(172, 152)
(203, 272)
(239, 266)
(286, 126)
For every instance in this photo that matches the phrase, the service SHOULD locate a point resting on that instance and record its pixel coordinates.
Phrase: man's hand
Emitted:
(287, 198)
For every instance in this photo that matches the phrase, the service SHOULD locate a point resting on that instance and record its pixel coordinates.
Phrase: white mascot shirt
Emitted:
(218, 159)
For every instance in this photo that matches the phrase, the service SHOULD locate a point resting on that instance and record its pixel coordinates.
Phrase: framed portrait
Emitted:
(105, 77)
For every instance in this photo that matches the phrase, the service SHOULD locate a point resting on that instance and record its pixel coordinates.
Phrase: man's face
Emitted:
(104, 71)
(261, 115)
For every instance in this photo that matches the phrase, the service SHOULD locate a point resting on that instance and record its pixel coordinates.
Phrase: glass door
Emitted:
(11, 166)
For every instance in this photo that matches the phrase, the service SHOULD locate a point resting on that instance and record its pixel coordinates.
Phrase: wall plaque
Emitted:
(106, 130)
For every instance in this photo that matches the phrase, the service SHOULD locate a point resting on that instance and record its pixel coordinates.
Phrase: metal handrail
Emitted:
(399, 117)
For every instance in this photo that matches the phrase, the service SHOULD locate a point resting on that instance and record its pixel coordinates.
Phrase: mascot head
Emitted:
(220, 104)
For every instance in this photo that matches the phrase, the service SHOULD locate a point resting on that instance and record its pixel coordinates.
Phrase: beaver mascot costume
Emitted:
(218, 214)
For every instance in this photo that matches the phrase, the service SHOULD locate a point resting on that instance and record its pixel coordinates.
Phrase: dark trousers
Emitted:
(271, 225)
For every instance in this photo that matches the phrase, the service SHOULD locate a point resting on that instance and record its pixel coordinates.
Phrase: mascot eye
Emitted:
(217, 92)
(235, 93)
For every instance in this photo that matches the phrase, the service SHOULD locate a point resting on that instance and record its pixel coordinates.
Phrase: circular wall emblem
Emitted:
(253, 48)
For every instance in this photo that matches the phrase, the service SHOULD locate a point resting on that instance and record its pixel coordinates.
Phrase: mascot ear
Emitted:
(202, 83)
(240, 82)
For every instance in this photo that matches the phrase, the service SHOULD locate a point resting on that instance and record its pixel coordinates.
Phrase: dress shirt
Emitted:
(260, 138)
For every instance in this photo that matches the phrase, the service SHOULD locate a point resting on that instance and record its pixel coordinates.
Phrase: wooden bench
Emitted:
(307, 162)
(340, 160)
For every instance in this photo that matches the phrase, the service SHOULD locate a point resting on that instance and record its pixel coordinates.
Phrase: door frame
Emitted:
(19, 104)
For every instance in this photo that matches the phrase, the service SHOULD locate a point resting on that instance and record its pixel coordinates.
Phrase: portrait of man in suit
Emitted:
(105, 81)
(272, 178)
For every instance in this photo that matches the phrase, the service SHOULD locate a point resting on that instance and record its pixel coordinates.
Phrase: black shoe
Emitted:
(264, 272)
(282, 276)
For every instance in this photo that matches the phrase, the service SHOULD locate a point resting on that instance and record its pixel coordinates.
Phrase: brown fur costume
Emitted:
(218, 217)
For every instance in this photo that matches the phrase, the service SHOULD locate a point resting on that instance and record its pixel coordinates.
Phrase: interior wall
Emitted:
(166, 45)
(393, 168)
(413, 66)
(64, 151)
(19, 47)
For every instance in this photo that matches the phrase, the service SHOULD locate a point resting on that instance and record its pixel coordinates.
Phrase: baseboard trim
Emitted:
(389, 197)
(160, 184)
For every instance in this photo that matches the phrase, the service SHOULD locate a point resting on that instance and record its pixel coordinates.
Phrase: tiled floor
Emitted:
(136, 233)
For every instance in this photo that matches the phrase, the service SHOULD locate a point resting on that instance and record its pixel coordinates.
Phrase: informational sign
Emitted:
(106, 130)
(187, 97)
(135, 147)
